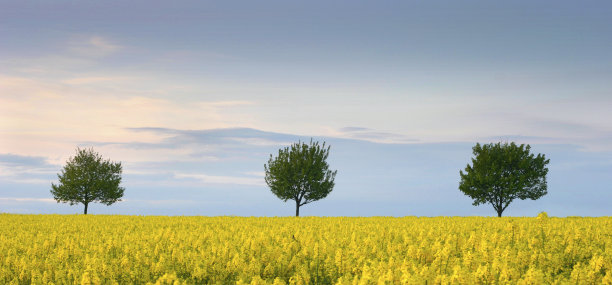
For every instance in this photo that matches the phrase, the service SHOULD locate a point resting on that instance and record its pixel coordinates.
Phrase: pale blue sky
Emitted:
(193, 97)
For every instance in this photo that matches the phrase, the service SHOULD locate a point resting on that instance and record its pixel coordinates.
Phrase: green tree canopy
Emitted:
(87, 178)
(501, 173)
(300, 173)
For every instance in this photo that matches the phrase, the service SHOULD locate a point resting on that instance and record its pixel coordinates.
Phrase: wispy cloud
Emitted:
(214, 179)
(94, 79)
(221, 136)
(164, 202)
(372, 135)
(260, 141)
(12, 164)
(225, 103)
(353, 129)
(27, 200)
(94, 46)
(255, 173)
(22, 160)
(26, 169)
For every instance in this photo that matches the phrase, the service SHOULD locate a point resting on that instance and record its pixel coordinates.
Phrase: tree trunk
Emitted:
(297, 209)
(85, 212)
(499, 213)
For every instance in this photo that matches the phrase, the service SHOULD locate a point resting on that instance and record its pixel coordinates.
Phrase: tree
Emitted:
(501, 173)
(300, 173)
(88, 178)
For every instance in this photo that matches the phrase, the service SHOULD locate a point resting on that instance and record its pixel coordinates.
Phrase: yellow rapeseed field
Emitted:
(59, 249)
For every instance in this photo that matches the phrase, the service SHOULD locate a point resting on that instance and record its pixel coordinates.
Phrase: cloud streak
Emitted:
(95, 80)
(214, 179)
(26, 169)
(27, 200)
(176, 138)
(94, 46)
(372, 135)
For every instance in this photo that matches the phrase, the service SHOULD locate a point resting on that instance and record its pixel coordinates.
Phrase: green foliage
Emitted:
(300, 173)
(501, 173)
(88, 178)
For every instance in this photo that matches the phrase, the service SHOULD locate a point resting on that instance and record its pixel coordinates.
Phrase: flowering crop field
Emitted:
(58, 249)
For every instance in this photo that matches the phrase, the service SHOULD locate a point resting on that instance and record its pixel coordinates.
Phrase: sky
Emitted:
(193, 97)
